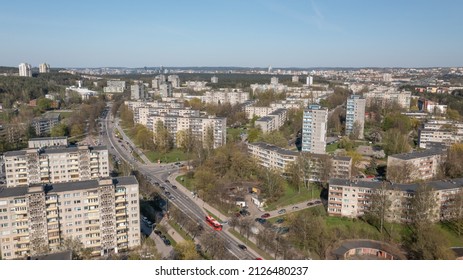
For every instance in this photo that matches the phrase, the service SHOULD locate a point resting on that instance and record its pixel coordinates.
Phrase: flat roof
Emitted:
(274, 148)
(12, 192)
(418, 154)
(437, 185)
(48, 138)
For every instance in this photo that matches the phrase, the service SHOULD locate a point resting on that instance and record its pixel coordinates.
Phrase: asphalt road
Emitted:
(159, 173)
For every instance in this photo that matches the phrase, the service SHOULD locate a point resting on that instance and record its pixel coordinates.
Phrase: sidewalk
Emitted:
(172, 232)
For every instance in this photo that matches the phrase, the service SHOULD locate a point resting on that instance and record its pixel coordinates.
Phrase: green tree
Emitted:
(453, 165)
(397, 121)
(395, 142)
(58, 130)
(186, 250)
(44, 104)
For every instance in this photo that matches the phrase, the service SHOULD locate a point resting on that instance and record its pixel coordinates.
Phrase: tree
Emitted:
(398, 121)
(453, 114)
(402, 172)
(186, 250)
(395, 142)
(453, 165)
(380, 206)
(77, 129)
(274, 138)
(58, 130)
(428, 244)
(423, 207)
(372, 167)
(44, 104)
(356, 131)
(162, 137)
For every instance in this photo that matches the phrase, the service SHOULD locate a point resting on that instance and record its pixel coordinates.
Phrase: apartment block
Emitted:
(352, 199)
(25, 70)
(271, 156)
(314, 127)
(221, 97)
(55, 165)
(425, 163)
(272, 121)
(175, 80)
(200, 127)
(355, 114)
(45, 123)
(102, 214)
(114, 86)
(440, 131)
(144, 115)
(47, 142)
(386, 95)
(44, 68)
(137, 92)
(252, 111)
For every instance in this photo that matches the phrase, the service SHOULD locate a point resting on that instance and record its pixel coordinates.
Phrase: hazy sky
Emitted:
(285, 33)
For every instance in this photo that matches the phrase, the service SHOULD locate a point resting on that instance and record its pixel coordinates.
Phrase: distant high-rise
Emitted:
(175, 80)
(387, 77)
(25, 70)
(166, 89)
(355, 114)
(214, 80)
(274, 80)
(137, 91)
(44, 68)
(314, 127)
(309, 80)
(295, 79)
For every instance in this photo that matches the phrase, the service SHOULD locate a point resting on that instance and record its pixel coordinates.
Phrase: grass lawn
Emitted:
(185, 181)
(65, 115)
(172, 156)
(291, 196)
(250, 244)
(180, 231)
(331, 148)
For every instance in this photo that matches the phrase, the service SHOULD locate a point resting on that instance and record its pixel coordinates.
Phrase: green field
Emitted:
(291, 196)
(331, 148)
(185, 181)
(172, 156)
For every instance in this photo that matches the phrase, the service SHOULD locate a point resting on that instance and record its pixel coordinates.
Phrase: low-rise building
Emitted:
(271, 156)
(45, 123)
(221, 97)
(424, 165)
(440, 131)
(272, 121)
(47, 142)
(353, 199)
(104, 215)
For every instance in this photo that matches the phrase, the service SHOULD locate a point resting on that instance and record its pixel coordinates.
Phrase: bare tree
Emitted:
(380, 206)
(403, 172)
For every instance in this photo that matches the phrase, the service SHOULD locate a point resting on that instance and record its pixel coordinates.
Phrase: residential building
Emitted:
(309, 81)
(295, 79)
(206, 129)
(104, 215)
(355, 115)
(271, 156)
(276, 158)
(353, 199)
(252, 111)
(272, 121)
(214, 80)
(440, 131)
(424, 165)
(314, 127)
(25, 70)
(44, 68)
(47, 142)
(166, 89)
(386, 95)
(45, 123)
(137, 92)
(114, 86)
(274, 80)
(55, 165)
(224, 96)
(174, 80)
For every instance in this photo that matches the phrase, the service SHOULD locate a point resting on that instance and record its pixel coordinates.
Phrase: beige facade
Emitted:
(103, 215)
(355, 114)
(425, 164)
(440, 131)
(387, 95)
(314, 128)
(222, 97)
(271, 156)
(55, 165)
(272, 121)
(353, 198)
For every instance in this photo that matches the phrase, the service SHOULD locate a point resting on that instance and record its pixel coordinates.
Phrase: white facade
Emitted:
(221, 97)
(440, 131)
(44, 68)
(25, 70)
(314, 128)
(355, 113)
(272, 121)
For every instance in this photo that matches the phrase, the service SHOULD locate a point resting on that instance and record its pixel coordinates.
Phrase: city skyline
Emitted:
(239, 33)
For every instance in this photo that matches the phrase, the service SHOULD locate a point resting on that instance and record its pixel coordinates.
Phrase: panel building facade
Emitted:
(314, 128)
(102, 214)
(355, 115)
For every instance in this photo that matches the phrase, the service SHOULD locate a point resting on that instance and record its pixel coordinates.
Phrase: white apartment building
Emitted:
(199, 126)
(175, 80)
(386, 95)
(137, 92)
(44, 68)
(221, 97)
(38, 143)
(426, 163)
(252, 111)
(25, 70)
(114, 86)
(104, 215)
(440, 131)
(272, 121)
(314, 127)
(143, 115)
(352, 199)
(355, 114)
(295, 79)
(271, 156)
(55, 165)
(214, 79)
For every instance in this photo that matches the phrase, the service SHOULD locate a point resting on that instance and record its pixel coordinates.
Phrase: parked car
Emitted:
(282, 211)
(242, 247)
(310, 203)
(167, 242)
(295, 207)
(318, 202)
(265, 216)
(174, 187)
(167, 181)
(261, 221)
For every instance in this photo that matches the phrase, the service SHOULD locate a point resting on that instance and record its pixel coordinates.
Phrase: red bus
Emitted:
(213, 223)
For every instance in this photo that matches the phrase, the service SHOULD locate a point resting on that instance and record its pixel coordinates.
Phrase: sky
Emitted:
(247, 33)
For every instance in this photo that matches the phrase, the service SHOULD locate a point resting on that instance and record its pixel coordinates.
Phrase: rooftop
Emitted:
(274, 148)
(419, 154)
